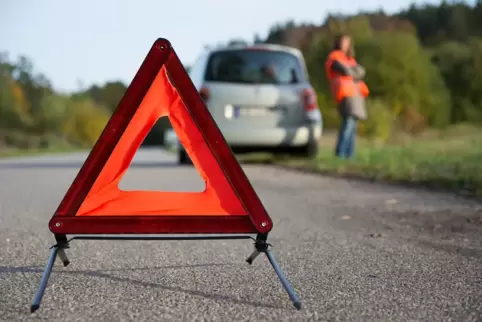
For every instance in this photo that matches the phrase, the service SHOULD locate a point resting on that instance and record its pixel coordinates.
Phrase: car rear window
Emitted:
(254, 67)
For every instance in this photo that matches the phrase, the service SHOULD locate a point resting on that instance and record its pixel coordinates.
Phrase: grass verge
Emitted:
(11, 153)
(451, 159)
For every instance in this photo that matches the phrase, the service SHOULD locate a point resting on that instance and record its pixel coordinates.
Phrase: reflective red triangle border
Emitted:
(160, 55)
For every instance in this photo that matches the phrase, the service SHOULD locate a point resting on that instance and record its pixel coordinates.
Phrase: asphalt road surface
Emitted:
(354, 251)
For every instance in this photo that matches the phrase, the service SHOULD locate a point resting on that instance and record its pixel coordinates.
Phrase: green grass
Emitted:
(451, 159)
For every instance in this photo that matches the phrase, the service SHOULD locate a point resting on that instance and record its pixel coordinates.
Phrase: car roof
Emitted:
(269, 47)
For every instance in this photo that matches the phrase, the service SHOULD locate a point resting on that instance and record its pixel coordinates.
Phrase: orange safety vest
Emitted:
(343, 86)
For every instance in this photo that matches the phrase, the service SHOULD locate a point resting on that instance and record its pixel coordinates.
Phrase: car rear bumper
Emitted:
(273, 137)
(288, 137)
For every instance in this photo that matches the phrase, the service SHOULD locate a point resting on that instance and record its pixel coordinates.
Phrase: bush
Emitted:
(84, 122)
(412, 121)
(380, 121)
(328, 109)
(18, 139)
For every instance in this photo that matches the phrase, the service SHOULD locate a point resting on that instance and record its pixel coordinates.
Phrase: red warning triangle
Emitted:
(94, 204)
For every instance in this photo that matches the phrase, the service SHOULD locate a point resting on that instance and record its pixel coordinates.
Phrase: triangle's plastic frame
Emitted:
(64, 220)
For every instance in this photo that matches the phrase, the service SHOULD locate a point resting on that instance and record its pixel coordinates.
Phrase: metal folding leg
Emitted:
(45, 278)
(261, 246)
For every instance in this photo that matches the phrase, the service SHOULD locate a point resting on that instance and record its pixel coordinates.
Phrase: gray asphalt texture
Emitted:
(354, 251)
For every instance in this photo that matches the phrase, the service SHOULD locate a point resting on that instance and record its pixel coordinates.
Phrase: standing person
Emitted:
(345, 77)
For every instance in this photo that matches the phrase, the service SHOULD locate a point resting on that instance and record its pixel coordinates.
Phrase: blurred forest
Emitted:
(424, 69)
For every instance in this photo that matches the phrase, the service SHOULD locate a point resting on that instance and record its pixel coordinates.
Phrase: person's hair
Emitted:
(337, 43)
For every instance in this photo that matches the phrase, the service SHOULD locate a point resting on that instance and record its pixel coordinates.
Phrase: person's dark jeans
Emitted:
(345, 147)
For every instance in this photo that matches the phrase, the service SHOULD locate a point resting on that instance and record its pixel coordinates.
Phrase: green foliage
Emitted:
(33, 116)
(401, 73)
(459, 64)
(83, 122)
(13, 105)
(424, 69)
(50, 113)
(380, 123)
(437, 23)
(331, 117)
(108, 95)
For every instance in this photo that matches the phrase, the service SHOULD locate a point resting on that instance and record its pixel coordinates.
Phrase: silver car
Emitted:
(260, 98)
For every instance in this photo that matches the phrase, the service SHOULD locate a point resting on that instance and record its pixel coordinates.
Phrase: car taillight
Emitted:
(204, 93)
(310, 99)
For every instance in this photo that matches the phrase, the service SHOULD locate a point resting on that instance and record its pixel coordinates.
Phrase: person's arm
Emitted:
(340, 68)
(357, 72)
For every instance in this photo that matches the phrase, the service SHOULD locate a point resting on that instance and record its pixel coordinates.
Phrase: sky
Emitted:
(78, 43)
